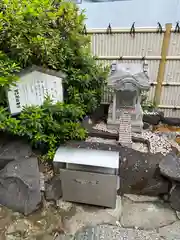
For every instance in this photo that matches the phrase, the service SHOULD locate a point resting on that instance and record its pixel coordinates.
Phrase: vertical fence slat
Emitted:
(162, 64)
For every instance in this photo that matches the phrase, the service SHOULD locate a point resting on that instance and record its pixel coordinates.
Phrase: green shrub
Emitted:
(8, 68)
(51, 34)
(47, 126)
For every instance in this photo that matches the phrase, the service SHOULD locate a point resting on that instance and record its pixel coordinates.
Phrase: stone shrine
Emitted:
(125, 112)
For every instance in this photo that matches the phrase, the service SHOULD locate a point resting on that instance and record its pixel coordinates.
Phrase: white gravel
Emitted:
(157, 143)
(103, 127)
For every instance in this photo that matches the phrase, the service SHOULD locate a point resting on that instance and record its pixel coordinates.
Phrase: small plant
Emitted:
(147, 106)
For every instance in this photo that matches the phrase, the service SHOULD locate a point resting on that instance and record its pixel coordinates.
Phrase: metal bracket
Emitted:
(160, 29)
(145, 65)
(113, 67)
(166, 84)
(132, 30)
(109, 29)
(84, 31)
(177, 28)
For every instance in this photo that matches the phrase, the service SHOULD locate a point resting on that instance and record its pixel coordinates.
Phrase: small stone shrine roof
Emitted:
(120, 77)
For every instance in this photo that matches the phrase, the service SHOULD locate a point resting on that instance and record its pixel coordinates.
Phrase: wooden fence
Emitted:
(159, 47)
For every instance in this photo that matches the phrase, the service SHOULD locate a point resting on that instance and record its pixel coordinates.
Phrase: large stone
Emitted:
(146, 125)
(20, 185)
(53, 189)
(175, 197)
(146, 215)
(152, 118)
(140, 174)
(170, 166)
(171, 121)
(11, 149)
(14, 148)
(171, 232)
(107, 232)
(4, 161)
(88, 215)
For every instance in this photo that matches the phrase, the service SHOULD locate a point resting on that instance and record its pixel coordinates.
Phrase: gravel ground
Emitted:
(157, 143)
(141, 218)
(103, 127)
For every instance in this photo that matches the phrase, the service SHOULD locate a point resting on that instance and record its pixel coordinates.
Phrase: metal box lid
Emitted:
(91, 157)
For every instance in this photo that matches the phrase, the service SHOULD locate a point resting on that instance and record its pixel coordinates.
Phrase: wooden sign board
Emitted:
(32, 89)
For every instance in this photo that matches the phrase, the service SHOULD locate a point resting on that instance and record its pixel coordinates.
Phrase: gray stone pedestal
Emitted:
(114, 121)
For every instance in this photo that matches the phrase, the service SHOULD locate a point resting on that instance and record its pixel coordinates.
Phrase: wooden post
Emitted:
(162, 65)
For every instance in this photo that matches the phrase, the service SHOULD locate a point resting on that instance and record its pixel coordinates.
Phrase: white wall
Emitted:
(146, 13)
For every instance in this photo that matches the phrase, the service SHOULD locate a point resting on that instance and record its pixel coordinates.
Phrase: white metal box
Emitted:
(88, 176)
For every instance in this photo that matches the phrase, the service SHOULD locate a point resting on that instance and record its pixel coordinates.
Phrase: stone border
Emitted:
(110, 136)
(114, 136)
